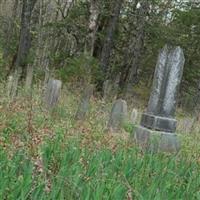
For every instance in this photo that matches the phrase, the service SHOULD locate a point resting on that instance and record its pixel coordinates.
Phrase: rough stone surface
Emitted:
(52, 93)
(156, 141)
(134, 116)
(118, 115)
(158, 123)
(84, 103)
(158, 126)
(167, 79)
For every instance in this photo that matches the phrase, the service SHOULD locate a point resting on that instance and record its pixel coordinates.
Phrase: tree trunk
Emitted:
(108, 43)
(138, 45)
(63, 8)
(24, 43)
(25, 35)
(93, 26)
(130, 74)
(10, 30)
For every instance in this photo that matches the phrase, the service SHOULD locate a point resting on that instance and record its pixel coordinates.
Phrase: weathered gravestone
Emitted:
(158, 125)
(118, 115)
(134, 116)
(52, 93)
(84, 103)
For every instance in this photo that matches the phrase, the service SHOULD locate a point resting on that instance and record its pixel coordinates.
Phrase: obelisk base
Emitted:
(156, 141)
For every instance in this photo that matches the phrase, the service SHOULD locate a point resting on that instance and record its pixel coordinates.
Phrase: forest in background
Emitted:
(75, 79)
(81, 41)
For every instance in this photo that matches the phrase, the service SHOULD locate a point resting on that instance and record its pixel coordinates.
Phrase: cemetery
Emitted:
(99, 100)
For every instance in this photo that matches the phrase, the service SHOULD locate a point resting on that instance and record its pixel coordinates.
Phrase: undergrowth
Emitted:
(51, 156)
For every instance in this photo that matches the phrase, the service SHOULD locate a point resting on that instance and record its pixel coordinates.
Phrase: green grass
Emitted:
(74, 172)
(51, 156)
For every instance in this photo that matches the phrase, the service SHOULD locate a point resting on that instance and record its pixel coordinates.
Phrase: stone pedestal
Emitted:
(155, 141)
(158, 125)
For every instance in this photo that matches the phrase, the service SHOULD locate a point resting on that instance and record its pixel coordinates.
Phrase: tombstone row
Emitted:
(118, 116)
(158, 124)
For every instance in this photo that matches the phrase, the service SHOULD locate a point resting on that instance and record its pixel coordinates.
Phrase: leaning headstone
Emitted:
(84, 103)
(52, 93)
(134, 116)
(118, 115)
(158, 125)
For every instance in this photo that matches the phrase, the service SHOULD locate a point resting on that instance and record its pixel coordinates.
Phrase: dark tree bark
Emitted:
(25, 35)
(139, 42)
(93, 25)
(132, 58)
(108, 42)
(24, 44)
(10, 30)
(98, 43)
